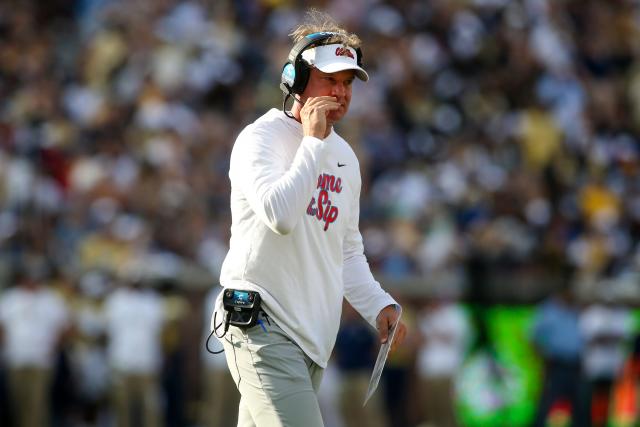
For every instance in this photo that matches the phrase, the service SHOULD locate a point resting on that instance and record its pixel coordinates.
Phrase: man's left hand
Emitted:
(387, 317)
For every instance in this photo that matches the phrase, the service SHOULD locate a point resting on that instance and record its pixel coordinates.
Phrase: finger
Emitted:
(330, 108)
(384, 335)
(383, 329)
(399, 337)
(315, 99)
(320, 111)
(324, 106)
(315, 102)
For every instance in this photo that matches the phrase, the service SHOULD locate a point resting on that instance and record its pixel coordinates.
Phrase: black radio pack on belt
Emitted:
(242, 307)
(242, 310)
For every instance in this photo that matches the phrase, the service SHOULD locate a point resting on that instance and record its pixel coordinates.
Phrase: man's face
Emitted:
(336, 84)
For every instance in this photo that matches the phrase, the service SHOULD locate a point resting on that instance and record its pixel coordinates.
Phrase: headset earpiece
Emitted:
(288, 78)
(295, 72)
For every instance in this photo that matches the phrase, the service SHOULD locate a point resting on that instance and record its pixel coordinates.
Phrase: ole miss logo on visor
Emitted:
(343, 51)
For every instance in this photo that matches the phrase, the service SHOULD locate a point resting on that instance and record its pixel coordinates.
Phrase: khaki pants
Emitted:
(136, 392)
(29, 394)
(221, 399)
(353, 389)
(438, 402)
(277, 381)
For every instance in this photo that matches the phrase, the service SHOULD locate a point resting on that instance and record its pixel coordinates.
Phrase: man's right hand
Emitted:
(313, 115)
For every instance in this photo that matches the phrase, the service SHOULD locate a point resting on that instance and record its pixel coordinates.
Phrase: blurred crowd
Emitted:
(498, 143)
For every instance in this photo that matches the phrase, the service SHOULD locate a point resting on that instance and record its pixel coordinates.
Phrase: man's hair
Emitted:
(316, 22)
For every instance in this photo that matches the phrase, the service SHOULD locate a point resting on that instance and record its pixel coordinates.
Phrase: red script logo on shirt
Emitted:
(322, 209)
(343, 51)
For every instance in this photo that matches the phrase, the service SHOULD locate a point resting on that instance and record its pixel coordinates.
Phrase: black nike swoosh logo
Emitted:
(341, 164)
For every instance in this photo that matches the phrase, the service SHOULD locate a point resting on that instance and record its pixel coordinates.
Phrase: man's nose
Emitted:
(339, 90)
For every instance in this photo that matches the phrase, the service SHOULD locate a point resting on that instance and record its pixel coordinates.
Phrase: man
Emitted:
(34, 321)
(295, 187)
(445, 333)
(557, 338)
(220, 402)
(135, 317)
(354, 356)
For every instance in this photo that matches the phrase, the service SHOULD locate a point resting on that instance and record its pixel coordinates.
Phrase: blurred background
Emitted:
(500, 154)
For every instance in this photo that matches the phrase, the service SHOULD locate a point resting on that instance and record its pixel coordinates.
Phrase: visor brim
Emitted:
(341, 66)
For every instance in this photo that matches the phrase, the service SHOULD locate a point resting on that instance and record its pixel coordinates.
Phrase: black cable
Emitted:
(215, 330)
(284, 107)
(284, 102)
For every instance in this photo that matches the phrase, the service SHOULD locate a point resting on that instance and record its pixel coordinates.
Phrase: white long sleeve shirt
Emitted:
(33, 321)
(294, 233)
(134, 321)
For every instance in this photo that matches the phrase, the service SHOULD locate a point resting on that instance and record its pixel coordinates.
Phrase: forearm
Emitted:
(362, 291)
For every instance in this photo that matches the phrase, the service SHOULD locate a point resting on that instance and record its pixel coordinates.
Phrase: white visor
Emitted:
(332, 58)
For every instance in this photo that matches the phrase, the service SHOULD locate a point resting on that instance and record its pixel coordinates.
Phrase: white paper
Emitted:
(382, 358)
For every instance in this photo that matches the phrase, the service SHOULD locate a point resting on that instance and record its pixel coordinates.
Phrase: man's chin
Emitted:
(335, 116)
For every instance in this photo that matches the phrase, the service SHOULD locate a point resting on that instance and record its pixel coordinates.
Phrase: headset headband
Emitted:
(307, 41)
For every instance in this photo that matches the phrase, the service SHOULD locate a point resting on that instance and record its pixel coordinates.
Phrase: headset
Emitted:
(296, 71)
